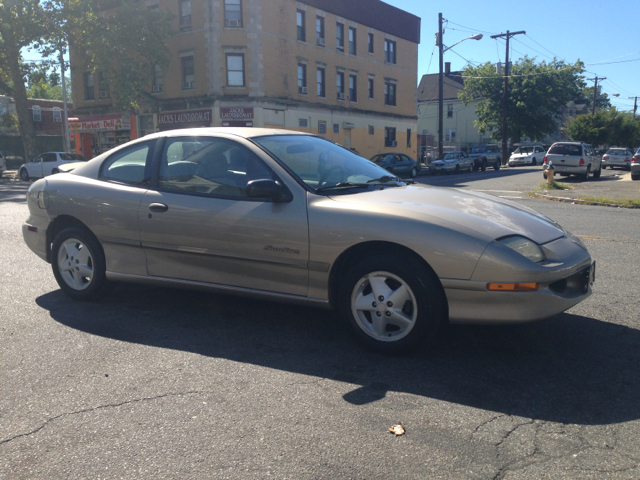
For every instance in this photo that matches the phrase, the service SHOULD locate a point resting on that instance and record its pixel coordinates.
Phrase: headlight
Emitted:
(524, 247)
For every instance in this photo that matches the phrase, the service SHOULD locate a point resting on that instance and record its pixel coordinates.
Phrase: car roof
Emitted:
(246, 132)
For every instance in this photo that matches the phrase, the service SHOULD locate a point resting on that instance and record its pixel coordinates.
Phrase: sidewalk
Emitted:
(604, 191)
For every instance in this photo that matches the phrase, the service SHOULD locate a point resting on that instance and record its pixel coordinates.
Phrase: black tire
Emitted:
(54, 171)
(585, 176)
(497, 166)
(430, 301)
(597, 173)
(534, 162)
(414, 172)
(98, 284)
(456, 170)
(484, 165)
(604, 167)
(635, 177)
(24, 175)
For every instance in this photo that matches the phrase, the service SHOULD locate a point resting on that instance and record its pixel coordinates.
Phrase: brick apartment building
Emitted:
(343, 70)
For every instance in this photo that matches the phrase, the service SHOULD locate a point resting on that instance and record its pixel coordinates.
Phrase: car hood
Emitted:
(487, 215)
(72, 165)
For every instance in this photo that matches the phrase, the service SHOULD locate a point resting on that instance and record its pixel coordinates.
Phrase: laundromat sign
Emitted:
(177, 119)
(236, 113)
(101, 124)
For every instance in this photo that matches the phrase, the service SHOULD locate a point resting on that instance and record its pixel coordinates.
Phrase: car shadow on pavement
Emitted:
(568, 369)
(12, 191)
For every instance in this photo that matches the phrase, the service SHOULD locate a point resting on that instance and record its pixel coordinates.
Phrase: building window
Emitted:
(302, 78)
(302, 122)
(371, 43)
(188, 73)
(389, 51)
(232, 13)
(322, 127)
(340, 85)
(185, 16)
(320, 31)
(300, 24)
(336, 128)
(89, 93)
(371, 88)
(352, 40)
(451, 135)
(390, 137)
(320, 79)
(408, 138)
(37, 113)
(450, 110)
(340, 36)
(158, 82)
(371, 130)
(235, 70)
(353, 88)
(390, 93)
(57, 115)
(103, 85)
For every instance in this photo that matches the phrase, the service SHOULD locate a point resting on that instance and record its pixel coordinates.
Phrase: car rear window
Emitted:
(72, 156)
(479, 149)
(616, 151)
(565, 149)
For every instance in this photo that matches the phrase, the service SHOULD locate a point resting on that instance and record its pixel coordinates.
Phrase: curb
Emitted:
(577, 201)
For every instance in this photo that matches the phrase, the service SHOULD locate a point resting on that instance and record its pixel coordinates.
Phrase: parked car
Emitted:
(398, 164)
(635, 165)
(573, 158)
(47, 164)
(486, 156)
(527, 155)
(617, 157)
(289, 216)
(452, 162)
(3, 164)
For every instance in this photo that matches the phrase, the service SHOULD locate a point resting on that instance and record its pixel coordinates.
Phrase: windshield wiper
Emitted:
(343, 185)
(385, 179)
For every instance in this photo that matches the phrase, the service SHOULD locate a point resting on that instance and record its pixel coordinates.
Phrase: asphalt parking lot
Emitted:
(163, 383)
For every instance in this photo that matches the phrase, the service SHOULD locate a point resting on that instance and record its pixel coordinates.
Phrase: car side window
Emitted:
(209, 166)
(397, 159)
(37, 159)
(49, 157)
(131, 166)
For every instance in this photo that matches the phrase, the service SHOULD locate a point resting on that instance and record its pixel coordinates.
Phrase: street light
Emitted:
(477, 36)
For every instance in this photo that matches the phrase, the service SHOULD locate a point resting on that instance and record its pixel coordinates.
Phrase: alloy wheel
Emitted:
(75, 264)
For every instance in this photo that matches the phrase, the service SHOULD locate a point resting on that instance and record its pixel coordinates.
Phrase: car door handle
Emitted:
(158, 207)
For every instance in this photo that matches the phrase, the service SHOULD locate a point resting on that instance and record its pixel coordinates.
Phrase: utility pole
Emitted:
(635, 105)
(65, 117)
(505, 94)
(595, 93)
(440, 87)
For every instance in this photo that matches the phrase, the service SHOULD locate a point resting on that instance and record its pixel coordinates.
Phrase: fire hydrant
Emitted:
(550, 173)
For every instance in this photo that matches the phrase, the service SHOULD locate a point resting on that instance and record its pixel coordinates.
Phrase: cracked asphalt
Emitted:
(163, 383)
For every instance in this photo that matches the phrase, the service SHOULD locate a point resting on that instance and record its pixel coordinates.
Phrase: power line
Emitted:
(543, 54)
(471, 29)
(529, 37)
(611, 63)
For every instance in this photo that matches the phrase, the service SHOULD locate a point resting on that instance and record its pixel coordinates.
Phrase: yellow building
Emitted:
(343, 70)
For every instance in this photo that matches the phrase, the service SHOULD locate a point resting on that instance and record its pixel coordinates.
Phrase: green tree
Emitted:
(586, 97)
(606, 127)
(41, 84)
(537, 93)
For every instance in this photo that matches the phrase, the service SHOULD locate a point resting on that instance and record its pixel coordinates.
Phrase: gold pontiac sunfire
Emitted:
(288, 216)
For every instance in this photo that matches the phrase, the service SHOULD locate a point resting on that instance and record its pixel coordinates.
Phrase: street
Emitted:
(153, 382)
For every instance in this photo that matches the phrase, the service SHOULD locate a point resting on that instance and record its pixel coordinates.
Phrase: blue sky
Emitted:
(592, 31)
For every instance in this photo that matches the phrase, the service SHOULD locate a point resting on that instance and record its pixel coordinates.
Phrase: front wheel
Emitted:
(24, 175)
(78, 264)
(414, 172)
(457, 170)
(390, 304)
(484, 165)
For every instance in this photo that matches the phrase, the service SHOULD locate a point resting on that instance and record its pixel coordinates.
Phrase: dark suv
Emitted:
(486, 155)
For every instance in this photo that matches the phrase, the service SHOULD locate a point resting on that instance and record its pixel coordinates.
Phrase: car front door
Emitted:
(49, 162)
(34, 167)
(199, 225)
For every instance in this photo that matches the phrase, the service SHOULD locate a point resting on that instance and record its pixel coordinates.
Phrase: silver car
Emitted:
(288, 216)
(452, 162)
(617, 157)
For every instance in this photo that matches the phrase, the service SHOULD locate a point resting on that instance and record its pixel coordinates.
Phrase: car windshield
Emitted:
(565, 149)
(478, 149)
(450, 156)
(321, 164)
(382, 158)
(526, 150)
(616, 151)
(72, 156)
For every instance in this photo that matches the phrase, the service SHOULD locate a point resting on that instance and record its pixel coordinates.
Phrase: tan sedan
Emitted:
(281, 215)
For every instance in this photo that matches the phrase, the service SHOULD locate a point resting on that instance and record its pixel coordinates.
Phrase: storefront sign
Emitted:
(100, 124)
(180, 119)
(236, 113)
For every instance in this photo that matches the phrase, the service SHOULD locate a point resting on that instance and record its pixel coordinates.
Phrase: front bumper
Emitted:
(34, 232)
(447, 167)
(516, 161)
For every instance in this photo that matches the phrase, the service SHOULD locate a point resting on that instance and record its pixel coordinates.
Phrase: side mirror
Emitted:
(269, 189)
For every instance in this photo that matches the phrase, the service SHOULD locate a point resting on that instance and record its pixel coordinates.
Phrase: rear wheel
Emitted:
(457, 169)
(390, 305)
(597, 173)
(585, 176)
(604, 167)
(24, 175)
(414, 172)
(534, 162)
(497, 166)
(78, 264)
(635, 177)
(484, 165)
(54, 171)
